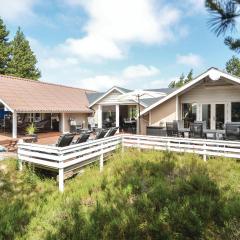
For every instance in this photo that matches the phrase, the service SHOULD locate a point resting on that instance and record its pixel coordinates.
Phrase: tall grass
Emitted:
(139, 195)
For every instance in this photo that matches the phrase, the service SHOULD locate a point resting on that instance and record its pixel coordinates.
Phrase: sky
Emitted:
(136, 44)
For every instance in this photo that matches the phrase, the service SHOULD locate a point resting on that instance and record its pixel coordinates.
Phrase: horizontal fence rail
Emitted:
(66, 159)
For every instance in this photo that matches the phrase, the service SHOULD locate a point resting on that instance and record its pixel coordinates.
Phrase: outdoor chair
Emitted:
(111, 132)
(177, 124)
(232, 131)
(196, 130)
(65, 140)
(43, 125)
(82, 138)
(101, 134)
(169, 127)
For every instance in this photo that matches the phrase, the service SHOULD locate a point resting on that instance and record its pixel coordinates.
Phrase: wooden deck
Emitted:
(43, 138)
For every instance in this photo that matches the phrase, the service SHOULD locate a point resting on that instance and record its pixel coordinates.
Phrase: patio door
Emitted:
(214, 114)
(219, 115)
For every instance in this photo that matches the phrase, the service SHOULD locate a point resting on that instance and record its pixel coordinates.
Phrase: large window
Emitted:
(189, 113)
(235, 111)
(109, 116)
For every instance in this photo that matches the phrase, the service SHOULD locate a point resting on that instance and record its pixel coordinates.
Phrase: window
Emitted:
(189, 113)
(235, 111)
(108, 116)
(132, 112)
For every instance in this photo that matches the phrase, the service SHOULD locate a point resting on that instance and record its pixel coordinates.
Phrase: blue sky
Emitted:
(131, 43)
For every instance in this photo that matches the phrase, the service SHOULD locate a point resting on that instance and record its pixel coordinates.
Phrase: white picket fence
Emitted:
(68, 159)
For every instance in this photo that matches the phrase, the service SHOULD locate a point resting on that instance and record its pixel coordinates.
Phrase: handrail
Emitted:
(82, 154)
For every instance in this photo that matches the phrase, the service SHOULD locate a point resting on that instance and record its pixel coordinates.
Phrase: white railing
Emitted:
(67, 159)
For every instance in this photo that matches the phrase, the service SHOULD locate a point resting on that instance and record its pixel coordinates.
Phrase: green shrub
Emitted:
(139, 195)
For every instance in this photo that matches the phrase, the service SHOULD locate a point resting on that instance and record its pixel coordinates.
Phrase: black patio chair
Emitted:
(232, 131)
(82, 138)
(196, 130)
(169, 128)
(111, 132)
(177, 124)
(101, 134)
(65, 140)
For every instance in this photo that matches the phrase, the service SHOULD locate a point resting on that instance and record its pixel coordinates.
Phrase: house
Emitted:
(213, 96)
(23, 100)
(119, 107)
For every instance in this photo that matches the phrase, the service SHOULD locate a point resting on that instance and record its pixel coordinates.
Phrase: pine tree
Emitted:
(4, 47)
(233, 66)
(182, 80)
(23, 61)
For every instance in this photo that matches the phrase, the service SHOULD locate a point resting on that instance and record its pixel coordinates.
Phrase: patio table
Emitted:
(184, 132)
(214, 134)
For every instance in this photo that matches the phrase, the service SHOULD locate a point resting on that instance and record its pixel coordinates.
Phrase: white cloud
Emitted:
(12, 10)
(193, 6)
(190, 59)
(139, 71)
(101, 82)
(197, 4)
(114, 24)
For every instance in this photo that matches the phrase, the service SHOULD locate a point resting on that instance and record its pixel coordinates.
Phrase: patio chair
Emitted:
(101, 134)
(177, 124)
(82, 138)
(232, 131)
(65, 140)
(43, 125)
(111, 132)
(196, 130)
(169, 127)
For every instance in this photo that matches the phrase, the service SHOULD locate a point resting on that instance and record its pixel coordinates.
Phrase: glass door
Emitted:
(206, 114)
(220, 116)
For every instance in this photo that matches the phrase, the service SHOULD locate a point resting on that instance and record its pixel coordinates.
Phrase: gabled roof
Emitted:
(213, 73)
(96, 97)
(23, 95)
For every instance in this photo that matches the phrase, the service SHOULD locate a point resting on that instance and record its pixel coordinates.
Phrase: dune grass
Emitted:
(139, 195)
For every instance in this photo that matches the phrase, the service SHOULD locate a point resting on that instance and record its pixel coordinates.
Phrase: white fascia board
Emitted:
(6, 105)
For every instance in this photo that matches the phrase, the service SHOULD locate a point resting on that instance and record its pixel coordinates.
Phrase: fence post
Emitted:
(204, 155)
(20, 162)
(138, 144)
(122, 140)
(101, 158)
(168, 145)
(61, 174)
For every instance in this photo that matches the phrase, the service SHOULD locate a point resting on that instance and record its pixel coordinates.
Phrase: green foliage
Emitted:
(182, 80)
(23, 61)
(225, 14)
(31, 129)
(4, 47)
(139, 195)
(233, 66)
(16, 56)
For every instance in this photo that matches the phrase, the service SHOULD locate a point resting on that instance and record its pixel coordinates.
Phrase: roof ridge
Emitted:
(42, 82)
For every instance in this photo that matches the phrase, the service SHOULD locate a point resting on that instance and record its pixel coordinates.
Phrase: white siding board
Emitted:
(114, 98)
(203, 94)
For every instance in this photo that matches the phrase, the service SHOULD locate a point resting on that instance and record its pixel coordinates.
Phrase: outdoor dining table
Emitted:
(184, 132)
(214, 133)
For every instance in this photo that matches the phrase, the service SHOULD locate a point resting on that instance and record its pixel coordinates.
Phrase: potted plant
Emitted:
(30, 132)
